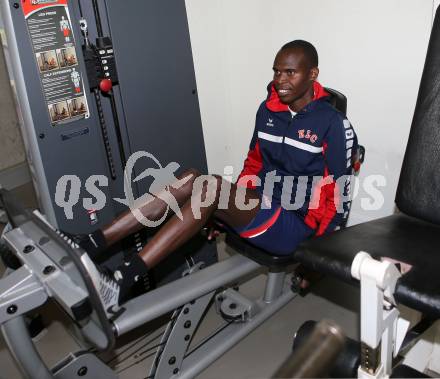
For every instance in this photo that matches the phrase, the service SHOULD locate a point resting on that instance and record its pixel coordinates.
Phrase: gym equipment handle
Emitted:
(315, 357)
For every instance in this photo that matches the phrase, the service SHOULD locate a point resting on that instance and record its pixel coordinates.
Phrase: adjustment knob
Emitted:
(105, 85)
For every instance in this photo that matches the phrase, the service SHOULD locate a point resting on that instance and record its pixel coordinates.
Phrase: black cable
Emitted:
(97, 18)
(80, 8)
(133, 345)
(141, 352)
(117, 129)
(136, 363)
(208, 338)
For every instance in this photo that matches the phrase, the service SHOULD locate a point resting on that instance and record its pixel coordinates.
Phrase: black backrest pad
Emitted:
(338, 100)
(418, 192)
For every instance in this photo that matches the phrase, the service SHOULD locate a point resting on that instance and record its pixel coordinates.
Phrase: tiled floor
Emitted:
(256, 356)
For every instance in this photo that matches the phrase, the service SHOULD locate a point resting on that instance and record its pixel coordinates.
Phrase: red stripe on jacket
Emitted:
(252, 166)
(320, 218)
(262, 228)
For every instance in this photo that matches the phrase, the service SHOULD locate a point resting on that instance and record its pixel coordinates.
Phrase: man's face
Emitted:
(292, 76)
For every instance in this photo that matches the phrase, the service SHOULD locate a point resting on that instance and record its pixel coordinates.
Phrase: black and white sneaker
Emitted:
(115, 287)
(94, 243)
(107, 287)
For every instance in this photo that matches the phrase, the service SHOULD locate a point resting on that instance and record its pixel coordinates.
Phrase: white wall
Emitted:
(373, 51)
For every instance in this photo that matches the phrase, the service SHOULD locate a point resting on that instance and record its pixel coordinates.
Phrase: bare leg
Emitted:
(193, 199)
(127, 223)
(176, 232)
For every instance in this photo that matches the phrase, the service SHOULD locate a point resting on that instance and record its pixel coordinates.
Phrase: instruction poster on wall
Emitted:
(50, 30)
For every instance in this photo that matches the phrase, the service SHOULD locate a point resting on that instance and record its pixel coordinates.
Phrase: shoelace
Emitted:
(109, 288)
(68, 239)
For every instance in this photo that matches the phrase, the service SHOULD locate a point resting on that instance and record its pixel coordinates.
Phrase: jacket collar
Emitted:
(274, 104)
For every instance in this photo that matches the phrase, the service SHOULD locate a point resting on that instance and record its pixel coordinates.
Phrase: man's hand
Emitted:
(212, 230)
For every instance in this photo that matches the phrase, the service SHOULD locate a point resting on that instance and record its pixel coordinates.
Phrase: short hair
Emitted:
(307, 48)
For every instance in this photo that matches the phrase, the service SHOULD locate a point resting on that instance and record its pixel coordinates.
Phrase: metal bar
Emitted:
(179, 292)
(20, 292)
(274, 286)
(22, 348)
(25, 117)
(173, 354)
(198, 360)
(378, 313)
(118, 131)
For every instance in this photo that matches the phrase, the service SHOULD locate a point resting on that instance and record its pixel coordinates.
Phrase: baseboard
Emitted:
(15, 176)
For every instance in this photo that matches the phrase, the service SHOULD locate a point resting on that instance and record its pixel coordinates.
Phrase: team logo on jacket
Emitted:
(269, 122)
(307, 134)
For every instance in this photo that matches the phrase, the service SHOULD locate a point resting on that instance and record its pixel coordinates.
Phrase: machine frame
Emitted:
(51, 270)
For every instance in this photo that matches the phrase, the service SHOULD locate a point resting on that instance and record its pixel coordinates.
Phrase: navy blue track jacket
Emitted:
(309, 152)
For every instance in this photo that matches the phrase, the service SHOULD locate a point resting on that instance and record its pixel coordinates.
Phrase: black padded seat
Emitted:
(262, 257)
(412, 236)
(386, 237)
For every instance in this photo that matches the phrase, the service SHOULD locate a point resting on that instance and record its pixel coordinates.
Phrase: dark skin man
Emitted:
(293, 80)
(294, 76)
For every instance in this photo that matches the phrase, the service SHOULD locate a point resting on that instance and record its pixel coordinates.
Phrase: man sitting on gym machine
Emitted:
(298, 135)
